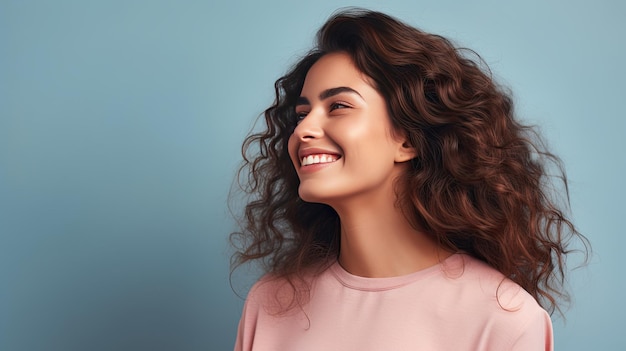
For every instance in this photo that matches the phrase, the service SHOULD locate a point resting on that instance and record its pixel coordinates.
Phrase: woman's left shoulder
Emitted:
(505, 308)
(510, 318)
(490, 284)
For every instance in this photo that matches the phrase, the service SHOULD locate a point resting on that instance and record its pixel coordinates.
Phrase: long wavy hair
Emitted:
(482, 182)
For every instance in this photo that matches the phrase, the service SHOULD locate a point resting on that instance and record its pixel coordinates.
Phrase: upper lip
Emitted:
(315, 151)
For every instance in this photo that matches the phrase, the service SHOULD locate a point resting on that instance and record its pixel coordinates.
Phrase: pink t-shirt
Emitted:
(459, 304)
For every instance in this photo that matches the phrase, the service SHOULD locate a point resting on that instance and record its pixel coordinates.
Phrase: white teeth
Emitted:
(315, 159)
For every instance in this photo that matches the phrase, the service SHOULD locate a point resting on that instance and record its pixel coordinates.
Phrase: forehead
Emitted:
(333, 70)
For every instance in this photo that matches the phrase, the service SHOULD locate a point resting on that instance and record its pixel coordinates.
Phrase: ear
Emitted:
(405, 152)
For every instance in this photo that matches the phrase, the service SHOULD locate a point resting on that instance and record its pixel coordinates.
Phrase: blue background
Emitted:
(120, 129)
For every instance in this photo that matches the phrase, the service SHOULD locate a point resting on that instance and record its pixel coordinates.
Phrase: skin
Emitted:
(344, 121)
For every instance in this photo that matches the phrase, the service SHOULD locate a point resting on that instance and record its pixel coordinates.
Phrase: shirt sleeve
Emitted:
(246, 328)
(537, 334)
(240, 332)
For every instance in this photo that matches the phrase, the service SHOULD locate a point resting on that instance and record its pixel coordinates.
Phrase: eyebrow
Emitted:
(327, 94)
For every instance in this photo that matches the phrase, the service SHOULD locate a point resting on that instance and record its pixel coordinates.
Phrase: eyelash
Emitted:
(334, 106)
(300, 116)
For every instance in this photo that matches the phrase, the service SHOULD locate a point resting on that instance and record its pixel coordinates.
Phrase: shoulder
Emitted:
(277, 294)
(266, 298)
(269, 292)
(507, 312)
(479, 284)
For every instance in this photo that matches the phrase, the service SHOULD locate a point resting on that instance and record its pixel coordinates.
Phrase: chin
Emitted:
(314, 195)
(310, 197)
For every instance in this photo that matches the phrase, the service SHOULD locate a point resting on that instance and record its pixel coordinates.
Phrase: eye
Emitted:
(300, 116)
(338, 105)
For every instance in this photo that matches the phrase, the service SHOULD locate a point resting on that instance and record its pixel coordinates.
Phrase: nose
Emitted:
(310, 127)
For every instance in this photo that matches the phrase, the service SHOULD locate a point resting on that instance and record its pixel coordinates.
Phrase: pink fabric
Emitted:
(460, 304)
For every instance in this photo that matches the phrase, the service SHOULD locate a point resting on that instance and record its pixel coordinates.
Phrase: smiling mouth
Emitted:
(318, 158)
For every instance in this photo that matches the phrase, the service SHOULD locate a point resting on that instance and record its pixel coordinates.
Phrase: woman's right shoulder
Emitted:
(264, 286)
(273, 294)
(257, 307)
(279, 293)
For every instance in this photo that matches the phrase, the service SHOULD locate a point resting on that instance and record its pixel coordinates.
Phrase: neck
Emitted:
(377, 240)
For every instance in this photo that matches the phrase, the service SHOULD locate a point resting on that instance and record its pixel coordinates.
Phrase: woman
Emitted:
(397, 204)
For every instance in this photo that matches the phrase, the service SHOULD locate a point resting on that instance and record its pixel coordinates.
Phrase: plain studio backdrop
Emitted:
(121, 124)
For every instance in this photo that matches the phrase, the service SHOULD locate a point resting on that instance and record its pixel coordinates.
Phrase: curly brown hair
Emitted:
(480, 183)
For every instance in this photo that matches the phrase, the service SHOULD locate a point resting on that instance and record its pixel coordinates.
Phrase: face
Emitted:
(343, 147)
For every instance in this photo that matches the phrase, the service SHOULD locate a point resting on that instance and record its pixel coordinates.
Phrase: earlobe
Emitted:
(405, 152)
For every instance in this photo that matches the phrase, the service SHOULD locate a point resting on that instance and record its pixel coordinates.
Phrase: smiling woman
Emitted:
(343, 116)
(397, 203)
